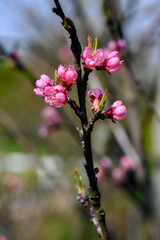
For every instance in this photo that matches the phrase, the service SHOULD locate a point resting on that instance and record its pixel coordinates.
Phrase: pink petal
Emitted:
(117, 103)
(38, 92)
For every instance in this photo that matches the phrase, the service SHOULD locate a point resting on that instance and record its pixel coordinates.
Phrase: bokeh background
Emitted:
(38, 194)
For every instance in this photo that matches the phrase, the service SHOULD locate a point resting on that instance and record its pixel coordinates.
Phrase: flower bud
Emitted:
(67, 74)
(95, 98)
(116, 112)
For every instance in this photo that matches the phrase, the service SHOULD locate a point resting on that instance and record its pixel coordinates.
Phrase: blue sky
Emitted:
(17, 26)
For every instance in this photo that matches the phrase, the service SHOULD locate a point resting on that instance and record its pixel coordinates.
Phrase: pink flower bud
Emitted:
(112, 45)
(117, 45)
(116, 112)
(118, 176)
(101, 173)
(55, 95)
(105, 162)
(92, 59)
(51, 116)
(67, 74)
(127, 163)
(95, 98)
(112, 63)
(43, 82)
(43, 131)
(121, 43)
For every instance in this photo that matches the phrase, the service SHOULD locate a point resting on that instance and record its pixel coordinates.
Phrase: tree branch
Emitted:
(94, 195)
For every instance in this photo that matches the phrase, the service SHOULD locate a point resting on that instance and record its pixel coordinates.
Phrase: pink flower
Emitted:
(101, 173)
(55, 95)
(121, 44)
(2, 237)
(127, 163)
(112, 45)
(117, 45)
(43, 131)
(116, 112)
(95, 98)
(43, 82)
(67, 74)
(105, 162)
(118, 175)
(51, 116)
(112, 63)
(92, 58)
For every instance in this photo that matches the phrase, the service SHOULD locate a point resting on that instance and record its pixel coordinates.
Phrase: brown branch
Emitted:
(94, 195)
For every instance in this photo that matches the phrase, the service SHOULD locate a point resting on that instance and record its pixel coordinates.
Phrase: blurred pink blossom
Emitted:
(65, 53)
(51, 116)
(43, 130)
(127, 163)
(105, 162)
(101, 174)
(118, 175)
(2, 237)
(117, 45)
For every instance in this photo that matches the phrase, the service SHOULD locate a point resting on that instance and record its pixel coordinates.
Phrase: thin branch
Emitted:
(75, 107)
(92, 121)
(94, 195)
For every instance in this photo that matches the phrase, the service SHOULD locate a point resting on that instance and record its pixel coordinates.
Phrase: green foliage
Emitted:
(103, 101)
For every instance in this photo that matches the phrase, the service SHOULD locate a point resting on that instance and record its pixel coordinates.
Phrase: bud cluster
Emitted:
(55, 93)
(100, 59)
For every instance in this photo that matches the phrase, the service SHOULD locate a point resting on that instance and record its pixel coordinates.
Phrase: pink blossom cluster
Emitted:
(117, 45)
(56, 94)
(51, 119)
(116, 112)
(118, 174)
(100, 60)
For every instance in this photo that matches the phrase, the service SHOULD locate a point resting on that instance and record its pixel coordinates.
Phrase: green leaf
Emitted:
(95, 45)
(103, 101)
(78, 180)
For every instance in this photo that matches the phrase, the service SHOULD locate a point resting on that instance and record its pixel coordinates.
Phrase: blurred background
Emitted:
(39, 145)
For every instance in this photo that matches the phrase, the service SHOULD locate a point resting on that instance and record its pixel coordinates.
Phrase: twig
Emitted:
(94, 195)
